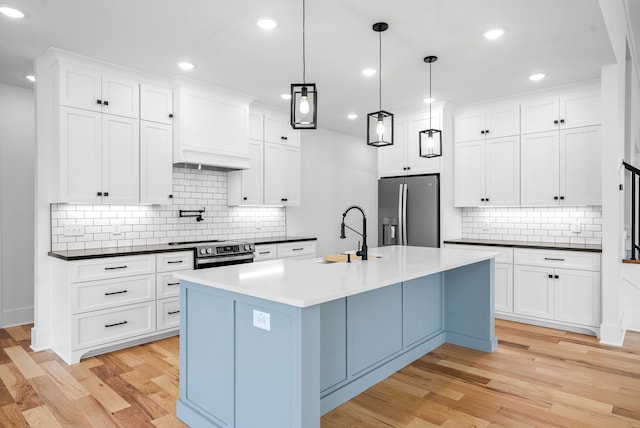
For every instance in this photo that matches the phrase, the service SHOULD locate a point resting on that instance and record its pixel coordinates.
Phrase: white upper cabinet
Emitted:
(403, 157)
(156, 168)
(246, 187)
(487, 172)
(156, 103)
(277, 129)
(573, 110)
(490, 122)
(120, 160)
(90, 89)
(281, 174)
(211, 127)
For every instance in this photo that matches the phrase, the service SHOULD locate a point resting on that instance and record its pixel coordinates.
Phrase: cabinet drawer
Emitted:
(169, 262)
(111, 267)
(97, 328)
(563, 259)
(168, 313)
(167, 285)
(297, 249)
(265, 252)
(506, 253)
(94, 295)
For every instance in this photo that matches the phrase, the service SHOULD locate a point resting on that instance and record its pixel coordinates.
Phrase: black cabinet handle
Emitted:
(561, 120)
(482, 132)
(115, 292)
(99, 193)
(106, 193)
(555, 198)
(173, 312)
(284, 199)
(170, 115)
(170, 196)
(244, 198)
(115, 324)
(550, 276)
(174, 261)
(283, 138)
(116, 267)
(562, 198)
(105, 103)
(482, 199)
(408, 168)
(554, 259)
(173, 283)
(555, 122)
(556, 276)
(486, 131)
(264, 252)
(486, 199)
(297, 249)
(99, 101)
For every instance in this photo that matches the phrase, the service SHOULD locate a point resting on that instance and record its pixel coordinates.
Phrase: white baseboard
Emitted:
(611, 334)
(631, 321)
(19, 316)
(41, 339)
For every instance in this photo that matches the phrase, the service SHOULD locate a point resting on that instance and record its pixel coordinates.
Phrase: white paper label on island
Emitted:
(262, 320)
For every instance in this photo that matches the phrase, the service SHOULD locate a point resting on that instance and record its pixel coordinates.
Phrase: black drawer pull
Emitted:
(116, 267)
(173, 312)
(264, 252)
(554, 259)
(115, 292)
(173, 283)
(297, 249)
(175, 261)
(115, 324)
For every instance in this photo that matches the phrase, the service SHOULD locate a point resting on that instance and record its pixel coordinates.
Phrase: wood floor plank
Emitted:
(67, 384)
(41, 417)
(19, 388)
(64, 411)
(168, 421)
(11, 416)
(109, 399)
(24, 362)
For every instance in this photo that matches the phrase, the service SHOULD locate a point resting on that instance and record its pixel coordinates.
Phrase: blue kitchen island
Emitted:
(279, 343)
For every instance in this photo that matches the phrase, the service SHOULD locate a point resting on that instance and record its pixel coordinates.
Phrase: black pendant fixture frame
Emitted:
(430, 140)
(304, 96)
(380, 120)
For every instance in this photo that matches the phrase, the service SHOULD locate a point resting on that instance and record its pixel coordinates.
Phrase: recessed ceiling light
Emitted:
(11, 12)
(186, 65)
(369, 72)
(31, 77)
(285, 96)
(537, 76)
(266, 23)
(352, 116)
(429, 100)
(494, 33)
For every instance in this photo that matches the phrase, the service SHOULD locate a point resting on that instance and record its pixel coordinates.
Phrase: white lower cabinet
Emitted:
(299, 250)
(112, 302)
(266, 252)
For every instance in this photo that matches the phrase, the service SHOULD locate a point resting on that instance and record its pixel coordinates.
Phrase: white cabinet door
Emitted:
(540, 115)
(502, 121)
(540, 168)
(533, 291)
(273, 177)
(80, 155)
(80, 87)
(417, 164)
(274, 129)
(156, 169)
(291, 175)
(469, 174)
(469, 126)
(120, 159)
(156, 103)
(580, 176)
(392, 159)
(256, 125)
(577, 296)
(580, 109)
(251, 190)
(503, 281)
(502, 172)
(120, 96)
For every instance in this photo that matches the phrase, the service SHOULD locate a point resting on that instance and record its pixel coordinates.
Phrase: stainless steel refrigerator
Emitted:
(409, 211)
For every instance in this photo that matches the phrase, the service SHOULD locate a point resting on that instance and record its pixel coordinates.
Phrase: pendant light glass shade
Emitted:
(380, 123)
(430, 139)
(304, 96)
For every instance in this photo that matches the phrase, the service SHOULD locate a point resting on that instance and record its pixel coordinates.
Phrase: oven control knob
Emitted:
(209, 250)
(202, 251)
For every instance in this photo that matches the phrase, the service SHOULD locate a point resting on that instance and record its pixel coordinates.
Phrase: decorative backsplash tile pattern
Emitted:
(126, 225)
(534, 224)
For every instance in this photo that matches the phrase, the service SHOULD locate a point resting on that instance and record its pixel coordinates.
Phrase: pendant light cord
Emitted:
(430, 97)
(304, 67)
(380, 72)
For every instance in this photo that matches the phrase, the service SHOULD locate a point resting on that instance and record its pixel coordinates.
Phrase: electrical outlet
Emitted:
(258, 225)
(262, 320)
(117, 228)
(485, 225)
(576, 227)
(73, 229)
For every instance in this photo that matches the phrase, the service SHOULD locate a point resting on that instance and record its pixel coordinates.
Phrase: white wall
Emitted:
(17, 163)
(337, 171)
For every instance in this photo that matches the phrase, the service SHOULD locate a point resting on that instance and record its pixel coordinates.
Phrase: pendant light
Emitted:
(430, 139)
(380, 123)
(304, 97)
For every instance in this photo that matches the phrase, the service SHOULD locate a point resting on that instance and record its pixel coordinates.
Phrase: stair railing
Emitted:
(635, 197)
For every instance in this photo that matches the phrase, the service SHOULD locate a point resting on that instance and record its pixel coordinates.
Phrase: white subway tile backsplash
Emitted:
(538, 224)
(160, 224)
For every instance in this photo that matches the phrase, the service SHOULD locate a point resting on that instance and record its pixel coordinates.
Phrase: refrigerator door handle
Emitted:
(404, 214)
(400, 207)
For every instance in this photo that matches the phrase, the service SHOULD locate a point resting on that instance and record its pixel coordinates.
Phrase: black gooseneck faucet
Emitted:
(363, 252)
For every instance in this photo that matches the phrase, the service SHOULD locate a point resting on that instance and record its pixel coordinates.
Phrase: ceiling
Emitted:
(566, 39)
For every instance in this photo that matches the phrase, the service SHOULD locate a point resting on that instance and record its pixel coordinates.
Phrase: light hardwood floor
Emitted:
(538, 377)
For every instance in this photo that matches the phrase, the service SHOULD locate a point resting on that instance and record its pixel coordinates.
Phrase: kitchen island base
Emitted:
(248, 361)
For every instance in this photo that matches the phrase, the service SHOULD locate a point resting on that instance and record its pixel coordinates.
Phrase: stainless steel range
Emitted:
(210, 254)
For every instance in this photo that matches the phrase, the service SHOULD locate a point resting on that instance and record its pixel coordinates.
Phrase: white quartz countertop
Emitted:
(306, 283)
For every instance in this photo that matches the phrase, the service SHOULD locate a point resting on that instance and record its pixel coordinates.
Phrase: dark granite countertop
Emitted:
(526, 244)
(96, 253)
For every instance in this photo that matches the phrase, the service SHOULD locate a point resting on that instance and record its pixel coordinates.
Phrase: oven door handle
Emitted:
(222, 259)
